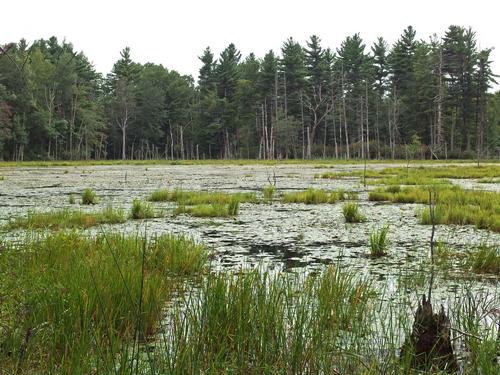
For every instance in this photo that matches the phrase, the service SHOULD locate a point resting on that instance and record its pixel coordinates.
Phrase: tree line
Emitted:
(307, 101)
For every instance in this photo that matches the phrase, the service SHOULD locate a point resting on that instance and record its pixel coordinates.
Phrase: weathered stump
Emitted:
(429, 345)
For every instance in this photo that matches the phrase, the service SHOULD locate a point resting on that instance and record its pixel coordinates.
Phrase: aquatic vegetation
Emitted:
(412, 179)
(485, 259)
(233, 208)
(427, 175)
(268, 192)
(482, 259)
(352, 214)
(78, 299)
(489, 180)
(209, 210)
(191, 198)
(89, 197)
(379, 241)
(141, 210)
(454, 205)
(162, 195)
(66, 218)
(317, 196)
(253, 322)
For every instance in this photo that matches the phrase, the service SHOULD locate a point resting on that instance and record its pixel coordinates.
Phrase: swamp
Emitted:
(248, 267)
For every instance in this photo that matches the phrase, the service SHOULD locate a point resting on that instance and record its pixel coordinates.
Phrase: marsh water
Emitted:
(274, 236)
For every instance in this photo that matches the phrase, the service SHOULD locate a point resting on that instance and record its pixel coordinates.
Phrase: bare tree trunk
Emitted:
(361, 127)
(367, 123)
(334, 130)
(303, 126)
(345, 117)
(438, 138)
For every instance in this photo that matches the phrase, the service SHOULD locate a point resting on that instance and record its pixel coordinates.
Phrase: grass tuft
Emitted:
(191, 198)
(454, 204)
(379, 241)
(66, 218)
(71, 304)
(316, 196)
(89, 197)
(486, 259)
(352, 214)
(141, 210)
(268, 192)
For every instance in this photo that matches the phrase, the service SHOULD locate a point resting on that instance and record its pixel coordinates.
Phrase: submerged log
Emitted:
(429, 345)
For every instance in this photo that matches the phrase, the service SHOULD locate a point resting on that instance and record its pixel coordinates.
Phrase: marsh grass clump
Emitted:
(251, 322)
(233, 208)
(352, 214)
(484, 259)
(66, 218)
(454, 205)
(207, 210)
(268, 192)
(76, 304)
(379, 242)
(489, 180)
(141, 210)
(317, 196)
(410, 179)
(191, 198)
(89, 197)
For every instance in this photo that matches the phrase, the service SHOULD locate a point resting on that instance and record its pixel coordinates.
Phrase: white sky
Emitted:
(174, 33)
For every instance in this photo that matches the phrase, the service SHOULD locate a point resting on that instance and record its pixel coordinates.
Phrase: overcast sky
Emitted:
(174, 33)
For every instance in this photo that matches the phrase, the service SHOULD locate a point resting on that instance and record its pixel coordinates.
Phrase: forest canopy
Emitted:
(430, 98)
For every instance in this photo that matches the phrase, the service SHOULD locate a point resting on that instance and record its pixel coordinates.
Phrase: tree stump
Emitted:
(429, 345)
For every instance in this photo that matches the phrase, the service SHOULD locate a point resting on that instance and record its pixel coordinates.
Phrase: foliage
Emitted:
(77, 298)
(306, 101)
(58, 219)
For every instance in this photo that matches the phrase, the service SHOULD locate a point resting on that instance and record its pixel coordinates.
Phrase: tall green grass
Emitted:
(352, 214)
(268, 192)
(484, 259)
(191, 198)
(142, 210)
(73, 304)
(66, 218)
(379, 242)
(454, 205)
(210, 210)
(89, 197)
(252, 322)
(427, 175)
(317, 196)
